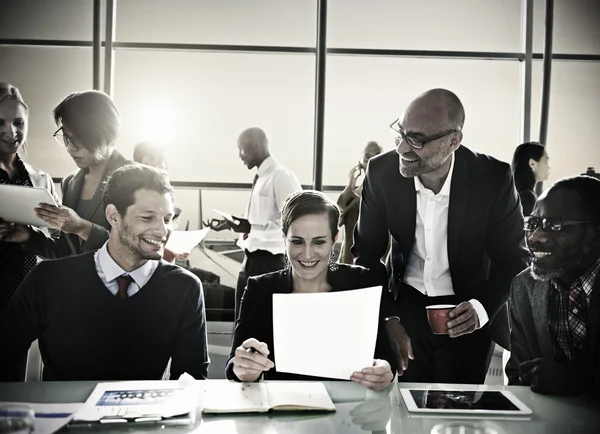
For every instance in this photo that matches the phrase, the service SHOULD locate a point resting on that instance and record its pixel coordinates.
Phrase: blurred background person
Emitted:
(529, 166)
(309, 225)
(14, 119)
(151, 154)
(350, 199)
(88, 127)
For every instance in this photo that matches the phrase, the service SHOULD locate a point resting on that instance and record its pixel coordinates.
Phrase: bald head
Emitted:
(253, 145)
(440, 106)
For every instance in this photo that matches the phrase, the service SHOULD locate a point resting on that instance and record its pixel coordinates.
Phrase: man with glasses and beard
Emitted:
(457, 239)
(119, 313)
(555, 317)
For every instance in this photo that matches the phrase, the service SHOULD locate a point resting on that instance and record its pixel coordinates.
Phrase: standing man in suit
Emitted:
(260, 231)
(450, 212)
(554, 305)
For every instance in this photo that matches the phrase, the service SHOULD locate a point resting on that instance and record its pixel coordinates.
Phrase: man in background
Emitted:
(350, 199)
(118, 313)
(261, 234)
(554, 311)
(151, 154)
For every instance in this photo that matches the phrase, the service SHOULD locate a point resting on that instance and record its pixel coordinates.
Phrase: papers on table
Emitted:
(49, 418)
(330, 334)
(262, 397)
(184, 241)
(141, 401)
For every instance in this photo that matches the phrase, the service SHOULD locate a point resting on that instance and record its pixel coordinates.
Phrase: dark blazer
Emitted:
(64, 244)
(530, 336)
(256, 313)
(484, 224)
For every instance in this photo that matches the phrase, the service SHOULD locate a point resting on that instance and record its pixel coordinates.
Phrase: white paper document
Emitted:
(17, 203)
(184, 241)
(49, 418)
(140, 401)
(330, 334)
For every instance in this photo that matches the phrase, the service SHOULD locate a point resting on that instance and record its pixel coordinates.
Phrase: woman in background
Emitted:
(14, 120)
(310, 228)
(529, 166)
(88, 125)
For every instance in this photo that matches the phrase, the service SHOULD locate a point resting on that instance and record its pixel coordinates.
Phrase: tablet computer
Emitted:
(17, 203)
(456, 401)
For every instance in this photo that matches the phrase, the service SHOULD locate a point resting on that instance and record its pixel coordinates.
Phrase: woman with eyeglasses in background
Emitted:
(88, 125)
(529, 166)
(14, 123)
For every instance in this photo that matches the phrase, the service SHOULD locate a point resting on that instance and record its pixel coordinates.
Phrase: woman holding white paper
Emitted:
(309, 222)
(14, 122)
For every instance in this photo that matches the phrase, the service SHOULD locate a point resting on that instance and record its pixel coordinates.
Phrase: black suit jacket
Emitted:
(64, 244)
(484, 224)
(256, 314)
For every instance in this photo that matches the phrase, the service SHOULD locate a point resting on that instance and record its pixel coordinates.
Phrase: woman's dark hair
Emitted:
(125, 181)
(521, 170)
(91, 117)
(307, 202)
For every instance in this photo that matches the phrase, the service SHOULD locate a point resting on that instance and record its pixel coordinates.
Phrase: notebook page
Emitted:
(299, 396)
(235, 398)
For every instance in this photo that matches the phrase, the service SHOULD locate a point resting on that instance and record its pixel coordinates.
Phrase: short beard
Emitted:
(566, 268)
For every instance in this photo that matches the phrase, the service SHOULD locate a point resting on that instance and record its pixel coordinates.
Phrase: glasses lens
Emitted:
(530, 224)
(553, 225)
(414, 143)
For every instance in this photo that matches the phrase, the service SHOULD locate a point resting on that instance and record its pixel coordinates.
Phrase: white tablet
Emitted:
(17, 203)
(464, 402)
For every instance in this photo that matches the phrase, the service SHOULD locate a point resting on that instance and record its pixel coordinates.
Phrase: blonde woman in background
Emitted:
(14, 122)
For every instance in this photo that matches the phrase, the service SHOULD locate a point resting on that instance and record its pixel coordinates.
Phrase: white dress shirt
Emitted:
(108, 271)
(428, 268)
(274, 184)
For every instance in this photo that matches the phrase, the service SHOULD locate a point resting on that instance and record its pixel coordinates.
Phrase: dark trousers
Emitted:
(439, 358)
(255, 263)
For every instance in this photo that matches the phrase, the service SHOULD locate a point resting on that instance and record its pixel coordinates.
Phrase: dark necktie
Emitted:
(123, 282)
(250, 202)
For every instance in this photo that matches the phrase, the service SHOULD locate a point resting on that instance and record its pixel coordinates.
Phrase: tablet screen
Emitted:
(462, 400)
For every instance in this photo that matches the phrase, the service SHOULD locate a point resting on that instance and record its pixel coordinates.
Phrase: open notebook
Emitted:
(263, 397)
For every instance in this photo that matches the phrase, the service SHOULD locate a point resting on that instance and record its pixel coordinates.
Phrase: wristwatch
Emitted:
(387, 318)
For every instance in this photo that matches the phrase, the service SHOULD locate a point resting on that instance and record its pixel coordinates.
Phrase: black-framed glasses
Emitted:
(60, 136)
(550, 224)
(400, 135)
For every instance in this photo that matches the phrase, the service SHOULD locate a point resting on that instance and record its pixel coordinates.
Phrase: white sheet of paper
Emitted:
(184, 241)
(330, 334)
(49, 418)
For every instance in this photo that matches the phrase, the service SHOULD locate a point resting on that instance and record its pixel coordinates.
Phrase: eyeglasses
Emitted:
(551, 224)
(60, 136)
(400, 135)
